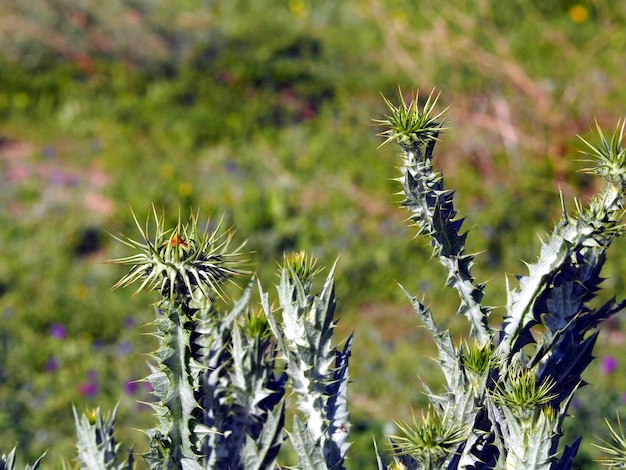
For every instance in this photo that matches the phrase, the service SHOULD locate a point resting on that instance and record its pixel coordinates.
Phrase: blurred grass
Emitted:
(262, 112)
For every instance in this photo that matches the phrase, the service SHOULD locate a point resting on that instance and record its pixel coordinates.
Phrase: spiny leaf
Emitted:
(308, 449)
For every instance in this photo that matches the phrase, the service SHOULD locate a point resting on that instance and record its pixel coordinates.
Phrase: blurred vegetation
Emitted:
(261, 111)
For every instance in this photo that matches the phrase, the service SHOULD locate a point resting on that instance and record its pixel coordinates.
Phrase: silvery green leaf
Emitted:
(447, 353)
(96, 445)
(90, 453)
(520, 302)
(260, 454)
(308, 449)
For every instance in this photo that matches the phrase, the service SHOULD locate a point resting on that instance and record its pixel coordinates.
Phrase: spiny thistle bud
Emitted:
(303, 266)
(521, 390)
(91, 415)
(609, 158)
(477, 358)
(409, 126)
(256, 325)
(430, 441)
(181, 262)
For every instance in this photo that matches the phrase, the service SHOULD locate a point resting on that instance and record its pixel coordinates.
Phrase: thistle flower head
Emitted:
(303, 266)
(477, 358)
(520, 390)
(408, 125)
(609, 157)
(430, 441)
(180, 262)
(256, 325)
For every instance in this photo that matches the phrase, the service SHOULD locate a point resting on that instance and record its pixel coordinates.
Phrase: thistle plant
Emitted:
(220, 395)
(509, 387)
(225, 368)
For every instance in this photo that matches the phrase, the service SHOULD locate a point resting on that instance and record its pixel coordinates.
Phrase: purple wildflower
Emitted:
(90, 387)
(124, 348)
(230, 166)
(129, 322)
(72, 180)
(58, 331)
(130, 387)
(52, 364)
(608, 364)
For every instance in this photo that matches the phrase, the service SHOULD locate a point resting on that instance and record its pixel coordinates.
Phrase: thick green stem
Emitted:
(171, 442)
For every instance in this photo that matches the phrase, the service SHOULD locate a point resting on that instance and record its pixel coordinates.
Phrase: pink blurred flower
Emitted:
(90, 387)
(87, 389)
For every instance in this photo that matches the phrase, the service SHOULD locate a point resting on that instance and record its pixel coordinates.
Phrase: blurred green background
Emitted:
(262, 112)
